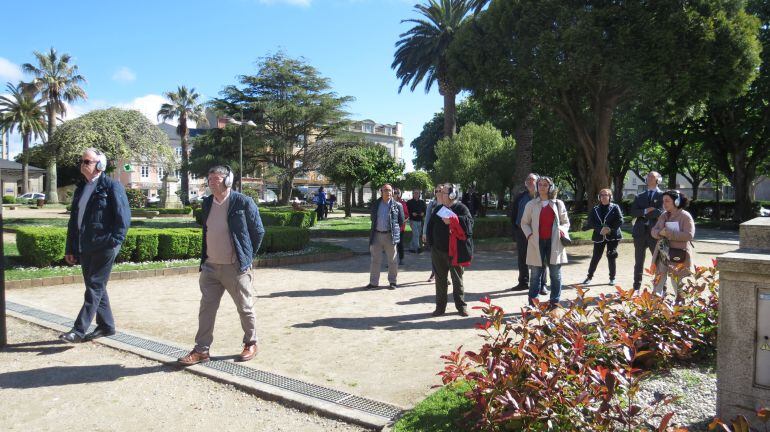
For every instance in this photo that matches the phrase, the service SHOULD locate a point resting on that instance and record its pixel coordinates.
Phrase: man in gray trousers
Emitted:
(232, 233)
(387, 216)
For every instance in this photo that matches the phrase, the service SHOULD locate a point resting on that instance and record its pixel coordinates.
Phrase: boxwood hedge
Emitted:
(41, 246)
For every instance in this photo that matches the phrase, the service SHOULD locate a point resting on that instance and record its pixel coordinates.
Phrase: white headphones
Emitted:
(228, 180)
(452, 191)
(678, 199)
(101, 158)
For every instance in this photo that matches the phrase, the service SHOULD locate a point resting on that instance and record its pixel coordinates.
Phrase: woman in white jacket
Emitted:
(544, 223)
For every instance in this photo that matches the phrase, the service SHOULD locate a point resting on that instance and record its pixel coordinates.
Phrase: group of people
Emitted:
(233, 231)
(541, 230)
(324, 203)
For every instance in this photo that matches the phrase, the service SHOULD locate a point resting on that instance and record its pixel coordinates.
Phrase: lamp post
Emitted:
(3, 328)
(241, 124)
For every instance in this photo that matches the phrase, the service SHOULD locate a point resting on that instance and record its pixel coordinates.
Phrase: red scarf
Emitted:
(456, 234)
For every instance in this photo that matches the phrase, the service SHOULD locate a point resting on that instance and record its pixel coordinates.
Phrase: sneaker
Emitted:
(587, 281)
(544, 290)
(430, 279)
(392, 286)
(194, 357)
(520, 287)
(612, 282)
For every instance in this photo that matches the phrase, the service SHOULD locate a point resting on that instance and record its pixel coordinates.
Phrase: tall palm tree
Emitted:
(421, 53)
(58, 82)
(184, 106)
(22, 111)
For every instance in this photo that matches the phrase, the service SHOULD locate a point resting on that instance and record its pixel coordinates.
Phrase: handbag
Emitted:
(677, 255)
(565, 240)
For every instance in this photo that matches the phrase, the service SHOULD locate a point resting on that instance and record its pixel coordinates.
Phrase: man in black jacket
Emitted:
(98, 224)
(439, 237)
(646, 209)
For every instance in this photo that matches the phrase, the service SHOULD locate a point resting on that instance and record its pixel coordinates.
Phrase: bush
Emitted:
(41, 246)
(270, 217)
(136, 198)
(283, 239)
(581, 369)
(168, 211)
(146, 244)
(179, 243)
(128, 248)
(488, 227)
(9, 199)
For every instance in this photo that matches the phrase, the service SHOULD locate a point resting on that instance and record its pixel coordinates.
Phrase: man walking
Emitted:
(232, 233)
(417, 208)
(97, 227)
(450, 230)
(646, 209)
(387, 216)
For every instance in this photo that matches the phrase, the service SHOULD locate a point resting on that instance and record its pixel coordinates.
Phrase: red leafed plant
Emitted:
(580, 368)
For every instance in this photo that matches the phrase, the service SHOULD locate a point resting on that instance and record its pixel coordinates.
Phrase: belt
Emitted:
(382, 231)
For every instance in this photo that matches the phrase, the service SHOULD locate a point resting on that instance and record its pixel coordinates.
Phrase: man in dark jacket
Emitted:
(387, 217)
(97, 227)
(517, 210)
(450, 237)
(645, 210)
(232, 234)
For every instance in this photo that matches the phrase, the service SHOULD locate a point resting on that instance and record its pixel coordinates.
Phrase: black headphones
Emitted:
(452, 191)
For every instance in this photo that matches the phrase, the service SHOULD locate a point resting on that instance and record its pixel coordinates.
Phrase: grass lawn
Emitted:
(443, 411)
(15, 269)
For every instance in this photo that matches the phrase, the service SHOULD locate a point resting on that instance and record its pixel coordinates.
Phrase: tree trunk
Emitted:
(348, 196)
(617, 187)
(361, 202)
(695, 186)
(450, 114)
(374, 192)
(185, 163)
(523, 135)
(742, 176)
(286, 184)
(25, 163)
(52, 194)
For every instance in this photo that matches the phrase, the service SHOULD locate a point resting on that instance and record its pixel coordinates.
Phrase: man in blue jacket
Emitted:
(232, 233)
(99, 220)
(387, 215)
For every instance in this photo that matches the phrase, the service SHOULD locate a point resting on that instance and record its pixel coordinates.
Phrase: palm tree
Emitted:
(184, 106)
(421, 52)
(21, 110)
(58, 82)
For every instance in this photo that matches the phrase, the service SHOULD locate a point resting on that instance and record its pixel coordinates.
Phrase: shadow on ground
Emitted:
(69, 375)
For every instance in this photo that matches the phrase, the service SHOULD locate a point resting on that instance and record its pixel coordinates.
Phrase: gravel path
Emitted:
(46, 385)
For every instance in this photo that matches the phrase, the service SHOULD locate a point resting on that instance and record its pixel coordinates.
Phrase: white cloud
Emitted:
(303, 3)
(9, 71)
(124, 75)
(147, 105)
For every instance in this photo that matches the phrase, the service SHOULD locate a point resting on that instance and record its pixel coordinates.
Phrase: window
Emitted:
(177, 174)
(368, 128)
(178, 152)
(161, 173)
(193, 176)
(297, 164)
(145, 171)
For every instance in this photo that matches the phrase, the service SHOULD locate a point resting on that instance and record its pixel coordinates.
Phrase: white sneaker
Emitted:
(587, 281)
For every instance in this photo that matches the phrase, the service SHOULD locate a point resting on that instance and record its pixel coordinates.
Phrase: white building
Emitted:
(388, 135)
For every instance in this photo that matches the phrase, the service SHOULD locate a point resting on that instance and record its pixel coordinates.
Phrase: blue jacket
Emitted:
(245, 227)
(396, 219)
(105, 221)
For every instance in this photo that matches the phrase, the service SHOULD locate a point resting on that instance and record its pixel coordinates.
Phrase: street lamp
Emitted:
(241, 125)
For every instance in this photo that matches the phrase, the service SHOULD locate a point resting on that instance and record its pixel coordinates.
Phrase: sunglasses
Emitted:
(87, 162)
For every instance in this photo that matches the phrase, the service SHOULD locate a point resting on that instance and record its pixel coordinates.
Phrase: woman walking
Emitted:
(545, 223)
(674, 231)
(605, 219)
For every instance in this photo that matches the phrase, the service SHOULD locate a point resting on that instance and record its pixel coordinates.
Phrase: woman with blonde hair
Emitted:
(605, 218)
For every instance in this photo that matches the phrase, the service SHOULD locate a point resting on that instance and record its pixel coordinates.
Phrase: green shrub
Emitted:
(146, 244)
(275, 218)
(128, 248)
(303, 219)
(487, 227)
(179, 243)
(41, 246)
(198, 215)
(136, 198)
(283, 239)
(9, 199)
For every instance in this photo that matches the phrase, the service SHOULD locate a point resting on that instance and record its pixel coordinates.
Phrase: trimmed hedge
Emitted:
(9, 199)
(162, 211)
(300, 219)
(41, 246)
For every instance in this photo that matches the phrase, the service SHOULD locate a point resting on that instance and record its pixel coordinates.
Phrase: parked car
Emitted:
(764, 212)
(32, 197)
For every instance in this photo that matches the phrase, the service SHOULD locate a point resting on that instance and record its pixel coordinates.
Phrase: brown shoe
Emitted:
(194, 357)
(248, 353)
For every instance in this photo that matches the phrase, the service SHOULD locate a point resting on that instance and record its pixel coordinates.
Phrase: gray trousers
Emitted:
(383, 242)
(214, 280)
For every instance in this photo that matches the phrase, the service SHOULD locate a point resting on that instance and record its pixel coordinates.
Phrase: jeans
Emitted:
(96, 267)
(538, 272)
(416, 232)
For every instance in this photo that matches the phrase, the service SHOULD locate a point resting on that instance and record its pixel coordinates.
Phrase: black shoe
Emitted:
(96, 334)
(437, 312)
(544, 290)
(463, 312)
(371, 286)
(70, 337)
(392, 286)
(520, 287)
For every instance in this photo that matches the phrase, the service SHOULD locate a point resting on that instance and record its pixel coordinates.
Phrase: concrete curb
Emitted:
(175, 271)
(264, 391)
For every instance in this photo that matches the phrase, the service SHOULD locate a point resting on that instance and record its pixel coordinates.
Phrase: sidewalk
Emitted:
(318, 323)
(48, 385)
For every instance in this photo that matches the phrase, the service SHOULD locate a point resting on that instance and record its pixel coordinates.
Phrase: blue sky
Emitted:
(133, 52)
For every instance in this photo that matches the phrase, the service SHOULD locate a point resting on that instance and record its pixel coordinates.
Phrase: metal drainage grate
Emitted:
(298, 386)
(315, 391)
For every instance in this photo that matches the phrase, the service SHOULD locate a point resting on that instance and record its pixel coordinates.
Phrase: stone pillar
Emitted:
(743, 350)
(168, 196)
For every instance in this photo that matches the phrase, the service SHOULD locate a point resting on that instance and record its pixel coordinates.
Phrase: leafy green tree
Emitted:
(421, 53)
(294, 110)
(379, 168)
(697, 166)
(583, 59)
(58, 82)
(737, 132)
(221, 147)
(343, 165)
(632, 127)
(21, 111)
(184, 106)
(120, 134)
(417, 180)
